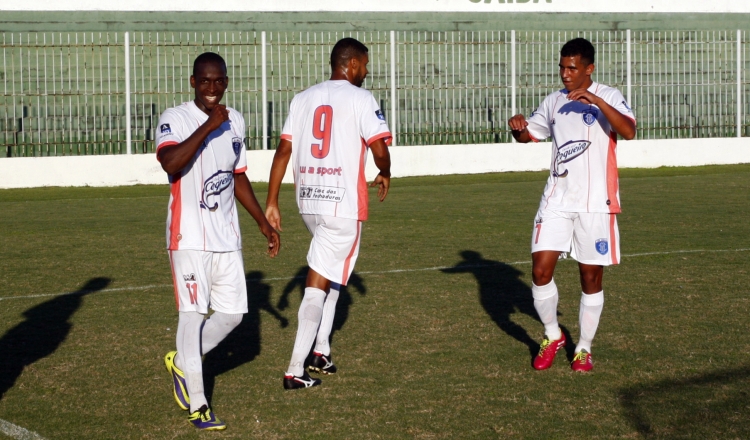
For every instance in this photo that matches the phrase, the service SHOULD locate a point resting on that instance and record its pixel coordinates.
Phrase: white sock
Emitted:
(189, 349)
(588, 319)
(322, 343)
(310, 312)
(545, 303)
(216, 328)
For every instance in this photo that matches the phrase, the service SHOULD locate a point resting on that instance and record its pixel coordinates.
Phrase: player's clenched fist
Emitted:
(517, 123)
(218, 116)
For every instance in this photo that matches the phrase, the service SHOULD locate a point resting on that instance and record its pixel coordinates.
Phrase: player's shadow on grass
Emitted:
(46, 327)
(243, 344)
(343, 304)
(502, 293)
(713, 405)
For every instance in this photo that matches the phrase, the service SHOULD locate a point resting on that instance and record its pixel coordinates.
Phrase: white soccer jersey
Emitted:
(583, 171)
(330, 126)
(202, 213)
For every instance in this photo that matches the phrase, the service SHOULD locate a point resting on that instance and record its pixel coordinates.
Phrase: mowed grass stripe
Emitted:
(440, 352)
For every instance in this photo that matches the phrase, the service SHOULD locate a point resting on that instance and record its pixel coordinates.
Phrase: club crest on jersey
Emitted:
(380, 115)
(589, 116)
(164, 128)
(567, 152)
(213, 186)
(602, 246)
(236, 145)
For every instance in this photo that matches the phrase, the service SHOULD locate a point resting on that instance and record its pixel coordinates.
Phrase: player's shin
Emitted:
(545, 303)
(588, 319)
(310, 313)
(188, 347)
(322, 342)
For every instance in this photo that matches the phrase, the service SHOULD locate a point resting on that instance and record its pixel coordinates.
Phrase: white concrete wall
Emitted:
(27, 172)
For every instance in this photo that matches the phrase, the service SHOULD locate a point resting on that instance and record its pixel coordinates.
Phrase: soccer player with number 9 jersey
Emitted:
(327, 134)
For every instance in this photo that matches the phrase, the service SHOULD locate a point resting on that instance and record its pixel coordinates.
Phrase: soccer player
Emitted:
(580, 203)
(327, 133)
(200, 146)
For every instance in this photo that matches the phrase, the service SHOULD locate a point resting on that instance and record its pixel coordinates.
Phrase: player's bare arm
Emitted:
(519, 129)
(278, 169)
(621, 124)
(243, 191)
(174, 158)
(383, 161)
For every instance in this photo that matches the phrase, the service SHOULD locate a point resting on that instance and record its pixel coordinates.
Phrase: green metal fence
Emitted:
(78, 93)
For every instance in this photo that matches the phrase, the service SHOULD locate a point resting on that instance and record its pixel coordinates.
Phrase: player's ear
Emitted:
(192, 81)
(590, 69)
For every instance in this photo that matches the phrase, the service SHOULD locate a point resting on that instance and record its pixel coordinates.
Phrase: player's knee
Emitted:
(541, 276)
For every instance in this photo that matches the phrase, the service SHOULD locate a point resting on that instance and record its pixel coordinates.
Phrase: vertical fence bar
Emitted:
(513, 76)
(739, 83)
(264, 88)
(627, 66)
(394, 90)
(127, 93)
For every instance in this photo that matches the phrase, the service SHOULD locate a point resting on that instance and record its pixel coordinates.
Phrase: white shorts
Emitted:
(334, 247)
(209, 279)
(590, 237)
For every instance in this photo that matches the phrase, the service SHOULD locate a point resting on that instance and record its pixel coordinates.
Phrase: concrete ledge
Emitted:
(29, 172)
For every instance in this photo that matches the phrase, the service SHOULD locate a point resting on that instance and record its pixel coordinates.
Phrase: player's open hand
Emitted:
(383, 183)
(219, 114)
(518, 123)
(273, 215)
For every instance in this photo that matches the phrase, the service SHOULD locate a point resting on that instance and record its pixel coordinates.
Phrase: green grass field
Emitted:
(433, 338)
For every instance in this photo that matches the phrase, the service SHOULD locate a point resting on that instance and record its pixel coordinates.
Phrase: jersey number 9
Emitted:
(322, 120)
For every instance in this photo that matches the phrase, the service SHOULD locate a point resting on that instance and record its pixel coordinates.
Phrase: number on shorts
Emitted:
(322, 131)
(538, 231)
(193, 292)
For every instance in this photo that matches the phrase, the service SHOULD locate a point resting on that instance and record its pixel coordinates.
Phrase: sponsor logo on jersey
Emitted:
(213, 186)
(189, 277)
(589, 116)
(320, 170)
(602, 246)
(627, 106)
(380, 115)
(567, 152)
(236, 145)
(164, 128)
(321, 193)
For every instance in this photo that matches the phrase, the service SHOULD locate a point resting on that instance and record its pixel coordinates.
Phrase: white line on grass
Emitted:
(17, 432)
(374, 272)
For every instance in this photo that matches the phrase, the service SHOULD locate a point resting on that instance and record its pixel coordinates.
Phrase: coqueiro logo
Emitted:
(213, 186)
(567, 152)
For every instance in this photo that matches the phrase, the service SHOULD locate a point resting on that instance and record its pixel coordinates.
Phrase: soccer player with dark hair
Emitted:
(327, 133)
(580, 203)
(200, 145)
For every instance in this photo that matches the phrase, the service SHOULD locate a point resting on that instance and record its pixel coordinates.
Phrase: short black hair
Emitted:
(579, 46)
(346, 49)
(206, 58)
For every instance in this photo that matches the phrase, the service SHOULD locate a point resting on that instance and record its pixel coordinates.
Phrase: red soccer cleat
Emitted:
(582, 362)
(547, 352)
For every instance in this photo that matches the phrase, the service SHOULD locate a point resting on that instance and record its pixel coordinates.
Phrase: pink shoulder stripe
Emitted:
(164, 144)
(387, 136)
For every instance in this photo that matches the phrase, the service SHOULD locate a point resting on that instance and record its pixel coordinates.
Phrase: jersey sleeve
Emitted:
(240, 164)
(372, 122)
(286, 132)
(169, 131)
(539, 126)
(616, 100)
